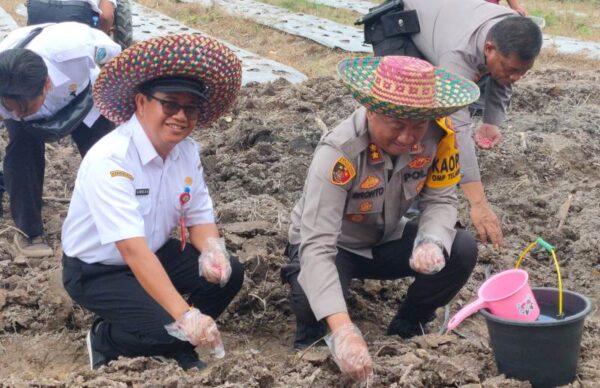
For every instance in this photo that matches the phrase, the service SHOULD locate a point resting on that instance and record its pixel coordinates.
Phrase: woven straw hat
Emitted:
(186, 55)
(406, 87)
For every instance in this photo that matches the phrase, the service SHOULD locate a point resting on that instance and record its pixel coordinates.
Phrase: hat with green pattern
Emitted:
(191, 57)
(406, 87)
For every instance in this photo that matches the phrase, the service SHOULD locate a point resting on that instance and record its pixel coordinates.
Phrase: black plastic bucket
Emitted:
(545, 352)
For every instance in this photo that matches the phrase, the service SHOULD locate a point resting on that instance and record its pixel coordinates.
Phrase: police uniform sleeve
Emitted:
(497, 98)
(439, 213)
(320, 226)
(110, 195)
(104, 48)
(201, 206)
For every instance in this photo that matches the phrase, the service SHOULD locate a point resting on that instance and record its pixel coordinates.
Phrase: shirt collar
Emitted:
(145, 148)
(57, 77)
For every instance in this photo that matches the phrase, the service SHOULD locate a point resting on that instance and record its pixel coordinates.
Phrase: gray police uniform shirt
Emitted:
(452, 36)
(355, 197)
(124, 189)
(72, 52)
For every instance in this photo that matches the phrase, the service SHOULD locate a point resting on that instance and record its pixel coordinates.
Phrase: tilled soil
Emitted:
(255, 161)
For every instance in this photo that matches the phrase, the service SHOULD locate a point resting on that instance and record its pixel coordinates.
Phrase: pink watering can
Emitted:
(506, 295)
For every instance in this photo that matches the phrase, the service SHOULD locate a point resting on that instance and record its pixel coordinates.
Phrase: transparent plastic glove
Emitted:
(350, 352)
(199, 330)
(427, 257)
(214, 262)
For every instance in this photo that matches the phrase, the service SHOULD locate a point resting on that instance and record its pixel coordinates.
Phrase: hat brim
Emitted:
(452, 92)
(185, 55)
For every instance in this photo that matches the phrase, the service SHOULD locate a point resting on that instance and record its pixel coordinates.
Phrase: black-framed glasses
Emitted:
(171, 108)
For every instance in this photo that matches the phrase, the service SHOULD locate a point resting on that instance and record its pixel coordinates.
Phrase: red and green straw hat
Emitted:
(187, 55)
(406, 87)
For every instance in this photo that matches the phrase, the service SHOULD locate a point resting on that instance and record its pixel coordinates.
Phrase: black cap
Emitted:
(175, 84)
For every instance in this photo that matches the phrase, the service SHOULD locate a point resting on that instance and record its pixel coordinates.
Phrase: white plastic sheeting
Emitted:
(148, 23)
(320, 30)
(7, 23)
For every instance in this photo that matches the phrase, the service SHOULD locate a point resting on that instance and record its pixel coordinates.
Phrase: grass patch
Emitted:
(575, 19)
(338, 15)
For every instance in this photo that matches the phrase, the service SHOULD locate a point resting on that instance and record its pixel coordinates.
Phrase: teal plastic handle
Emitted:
(546, 245)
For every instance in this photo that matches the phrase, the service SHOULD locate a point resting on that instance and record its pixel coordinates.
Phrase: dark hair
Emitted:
(517, 35)
(23, 74)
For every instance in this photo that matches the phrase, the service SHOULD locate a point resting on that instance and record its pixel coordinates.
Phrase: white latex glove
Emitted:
(213, 262)
(199, 330)
(427, 258)
(350, 352)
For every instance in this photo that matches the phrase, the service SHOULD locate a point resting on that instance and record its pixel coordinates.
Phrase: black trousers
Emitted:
(425, 294)
(48, 11)
(134, 322)
(24, 165)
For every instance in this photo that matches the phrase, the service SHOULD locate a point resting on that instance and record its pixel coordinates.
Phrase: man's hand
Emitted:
(198, 329)
(487, 224)
(427, 258)
(214, 262)
(350, 352)
(487, 136)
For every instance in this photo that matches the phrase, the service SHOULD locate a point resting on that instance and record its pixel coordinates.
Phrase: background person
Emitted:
(138, 184)
(364, 176)
(46, 83)
(95, 13)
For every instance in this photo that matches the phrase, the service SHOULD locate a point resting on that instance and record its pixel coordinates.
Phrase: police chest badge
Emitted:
(342, 172)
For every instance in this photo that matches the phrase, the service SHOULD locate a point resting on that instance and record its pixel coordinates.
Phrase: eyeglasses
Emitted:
(171, 108)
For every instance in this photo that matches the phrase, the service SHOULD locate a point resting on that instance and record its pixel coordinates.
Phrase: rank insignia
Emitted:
(370, 182)
(72, 90)
(374, 154)
(417, 148)
(124, 174)
(365, 206)
(342, 172)
(419, 162)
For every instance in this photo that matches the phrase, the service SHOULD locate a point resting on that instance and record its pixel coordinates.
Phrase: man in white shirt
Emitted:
(95, 13)
(134, 187)
(45, 80)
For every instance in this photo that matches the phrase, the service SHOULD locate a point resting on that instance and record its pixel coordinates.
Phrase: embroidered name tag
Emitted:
(142, 191)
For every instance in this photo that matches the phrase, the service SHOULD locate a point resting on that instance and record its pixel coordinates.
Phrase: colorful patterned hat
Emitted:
(406, 87)
(188, 55)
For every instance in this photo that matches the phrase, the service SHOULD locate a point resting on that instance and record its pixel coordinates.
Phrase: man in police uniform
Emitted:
(482, 42)
(44, 77)
(134, 187)
(347, 225)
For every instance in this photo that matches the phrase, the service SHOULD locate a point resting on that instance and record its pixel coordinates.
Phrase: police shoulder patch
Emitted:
(342, 171)
(124, 174)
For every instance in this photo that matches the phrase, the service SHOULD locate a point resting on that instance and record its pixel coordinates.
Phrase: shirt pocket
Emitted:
(364, 204)
(144, 204)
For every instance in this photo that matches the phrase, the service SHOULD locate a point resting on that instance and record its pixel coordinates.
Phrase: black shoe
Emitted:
(188, 359)
(408, 328)
(97, 359)
(309, 333)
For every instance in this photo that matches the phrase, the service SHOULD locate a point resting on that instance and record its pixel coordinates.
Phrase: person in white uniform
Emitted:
(95, 13)
(153, 295)
(45, 93)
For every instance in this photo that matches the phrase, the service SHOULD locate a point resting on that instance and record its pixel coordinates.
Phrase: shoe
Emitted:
(407, 328)
(188, 359)
(309, 333)
(97, 359)
(32, 247)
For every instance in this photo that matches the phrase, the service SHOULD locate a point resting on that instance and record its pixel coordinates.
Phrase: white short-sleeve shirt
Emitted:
(124, 189)
(72, 52)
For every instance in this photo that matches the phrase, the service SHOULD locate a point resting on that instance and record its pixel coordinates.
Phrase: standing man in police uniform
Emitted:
(46, 77)
(137, 185)
(477, 40)
(364, 175)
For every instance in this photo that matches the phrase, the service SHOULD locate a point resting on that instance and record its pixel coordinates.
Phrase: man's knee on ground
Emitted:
(464, 251)
(299, 302)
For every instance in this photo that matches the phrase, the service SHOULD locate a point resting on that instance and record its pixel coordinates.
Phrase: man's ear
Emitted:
(47, 86)
(489, 47)
(140, 103)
